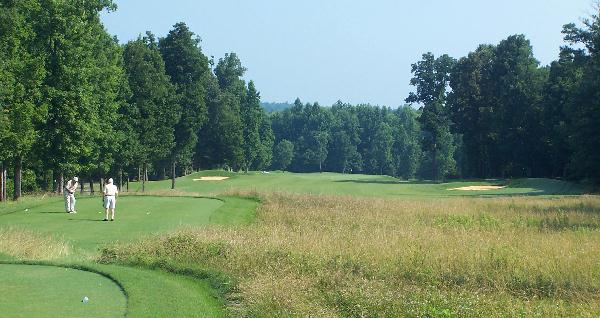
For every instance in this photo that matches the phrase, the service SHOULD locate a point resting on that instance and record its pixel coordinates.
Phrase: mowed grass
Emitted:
(354, 184)
(340, 256)
(154, 293)
(135, 216)
(49, 291)
(37, 229)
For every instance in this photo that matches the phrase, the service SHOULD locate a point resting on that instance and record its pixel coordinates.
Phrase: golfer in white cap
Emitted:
(110, 199)
(70, 189)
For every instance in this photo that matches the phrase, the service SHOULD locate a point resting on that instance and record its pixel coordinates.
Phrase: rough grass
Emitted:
(26, 244)
(341, 256)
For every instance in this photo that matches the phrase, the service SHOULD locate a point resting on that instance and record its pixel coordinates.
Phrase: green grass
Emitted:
(158, 294)
(235, 212)
(49, 291)
(355, 185)
(300, 255)
(35, 227)
(136, 216)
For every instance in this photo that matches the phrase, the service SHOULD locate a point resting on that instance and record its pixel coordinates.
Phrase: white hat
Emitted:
(75, 179)
(110, 180)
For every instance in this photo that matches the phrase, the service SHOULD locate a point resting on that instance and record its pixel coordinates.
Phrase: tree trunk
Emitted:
(144, 180)
(18, 178)
(127, 182)
(91, 186)
(120, 178)
(173, 174)
(59, 183)
(435, 168)
(2, 182)
(47, 180)
(101, 185)
(5, 182)
(82, 185)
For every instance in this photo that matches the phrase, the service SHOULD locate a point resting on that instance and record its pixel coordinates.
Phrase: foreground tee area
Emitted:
(49, 257)
(42, 291)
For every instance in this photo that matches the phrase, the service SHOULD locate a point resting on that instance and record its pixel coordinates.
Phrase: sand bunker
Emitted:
(211, 179)
(479, 188)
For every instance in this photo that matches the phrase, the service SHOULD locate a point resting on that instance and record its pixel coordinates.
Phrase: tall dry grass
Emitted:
(28, 245)
(318, 256)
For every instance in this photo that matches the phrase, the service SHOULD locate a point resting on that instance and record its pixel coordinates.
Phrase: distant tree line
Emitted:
(73, 101)
(345, 138)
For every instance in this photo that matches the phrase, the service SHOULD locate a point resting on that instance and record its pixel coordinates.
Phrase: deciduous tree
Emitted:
(187, 67)
(154, 99)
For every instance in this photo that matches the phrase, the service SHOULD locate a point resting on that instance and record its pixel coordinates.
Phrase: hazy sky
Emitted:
(354, 51)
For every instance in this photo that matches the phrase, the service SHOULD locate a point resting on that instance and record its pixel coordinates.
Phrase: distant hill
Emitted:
(275, 107)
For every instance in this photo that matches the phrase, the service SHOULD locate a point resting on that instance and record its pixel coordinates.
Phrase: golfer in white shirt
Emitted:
(110, 199)
(70, 189)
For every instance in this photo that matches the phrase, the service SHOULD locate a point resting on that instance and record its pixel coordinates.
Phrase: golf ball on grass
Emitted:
(85, 300)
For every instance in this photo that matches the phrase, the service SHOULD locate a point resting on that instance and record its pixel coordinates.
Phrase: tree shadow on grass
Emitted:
(513, 188)
(86, 220)
(389, 181)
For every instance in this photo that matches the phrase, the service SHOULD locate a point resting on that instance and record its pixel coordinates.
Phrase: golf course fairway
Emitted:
(135, 216)
(42, 291)
(328, 183)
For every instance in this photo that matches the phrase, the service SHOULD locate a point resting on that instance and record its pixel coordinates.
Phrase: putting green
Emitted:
(48, 291)
(136, 216)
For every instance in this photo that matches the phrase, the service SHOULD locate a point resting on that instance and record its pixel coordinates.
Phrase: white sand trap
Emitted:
(211, 179)
(479, 188)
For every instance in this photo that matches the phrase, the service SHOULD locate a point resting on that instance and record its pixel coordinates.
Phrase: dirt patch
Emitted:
(479, 188)
(214, 178)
